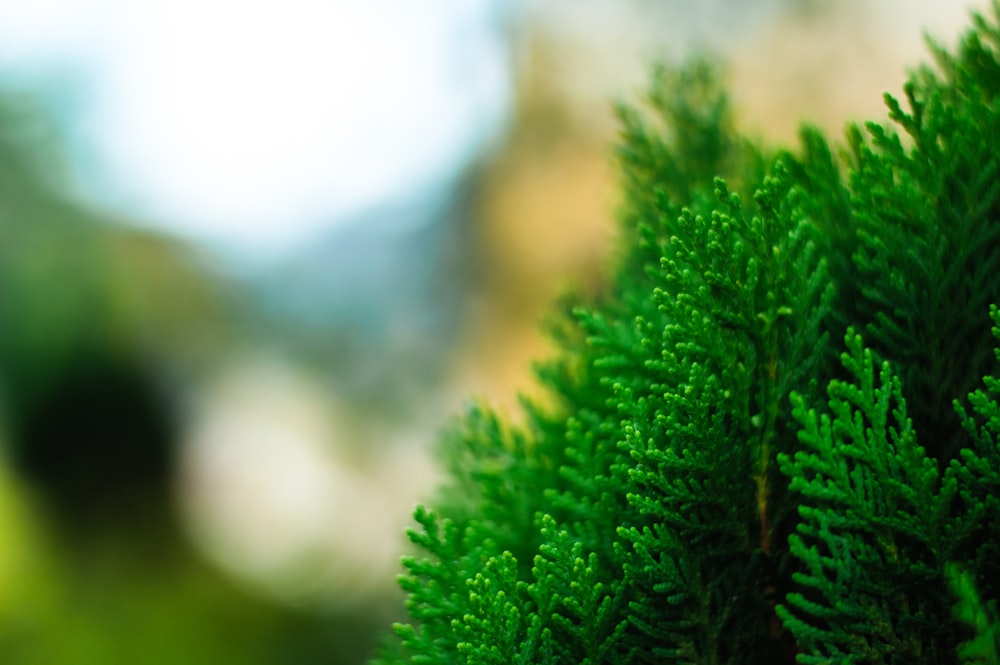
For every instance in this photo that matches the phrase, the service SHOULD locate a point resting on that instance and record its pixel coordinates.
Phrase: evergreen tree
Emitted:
(718, 479)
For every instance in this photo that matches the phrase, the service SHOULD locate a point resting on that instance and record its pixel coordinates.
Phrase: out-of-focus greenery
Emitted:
(97, 323)
(102, 329)
(106, 606)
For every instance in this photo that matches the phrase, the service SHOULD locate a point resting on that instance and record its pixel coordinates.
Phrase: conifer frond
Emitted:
(978, 471)
(742, 299)
(981, 617)
(436, 583)
(927, 216)
(585, 610)
(670, 154)
(873, 536)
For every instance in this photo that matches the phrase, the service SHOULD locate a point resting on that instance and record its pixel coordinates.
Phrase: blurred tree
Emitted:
(88, 424)
(102, 328)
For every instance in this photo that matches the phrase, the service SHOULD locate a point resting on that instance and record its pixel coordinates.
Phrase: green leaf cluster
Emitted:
(718, 478)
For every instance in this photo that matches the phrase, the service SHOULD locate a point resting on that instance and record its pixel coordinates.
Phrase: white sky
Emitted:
(252, 124)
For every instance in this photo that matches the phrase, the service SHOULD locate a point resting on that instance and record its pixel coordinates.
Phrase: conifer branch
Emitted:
(685, 499)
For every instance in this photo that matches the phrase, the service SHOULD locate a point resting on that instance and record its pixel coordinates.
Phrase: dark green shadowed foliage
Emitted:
(724, 473)
(926, 199)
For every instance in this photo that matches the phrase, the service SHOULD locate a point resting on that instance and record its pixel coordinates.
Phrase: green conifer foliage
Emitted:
(686, 497)
(926, 205)
(982, 618)
(877, 527)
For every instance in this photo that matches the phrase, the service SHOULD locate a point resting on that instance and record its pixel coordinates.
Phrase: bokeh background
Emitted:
(254, 255)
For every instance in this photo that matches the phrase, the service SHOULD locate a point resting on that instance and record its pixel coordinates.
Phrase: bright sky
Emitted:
(252, 124)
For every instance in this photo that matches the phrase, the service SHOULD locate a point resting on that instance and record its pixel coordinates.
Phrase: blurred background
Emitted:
(253, 256)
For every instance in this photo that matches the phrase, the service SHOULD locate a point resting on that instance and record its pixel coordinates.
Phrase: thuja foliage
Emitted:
(771, 439)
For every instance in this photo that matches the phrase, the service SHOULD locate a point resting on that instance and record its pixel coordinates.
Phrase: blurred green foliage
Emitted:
(95, 320)
(103, 328)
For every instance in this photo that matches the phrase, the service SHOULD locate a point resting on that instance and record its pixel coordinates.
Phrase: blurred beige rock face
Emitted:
(548, 200)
